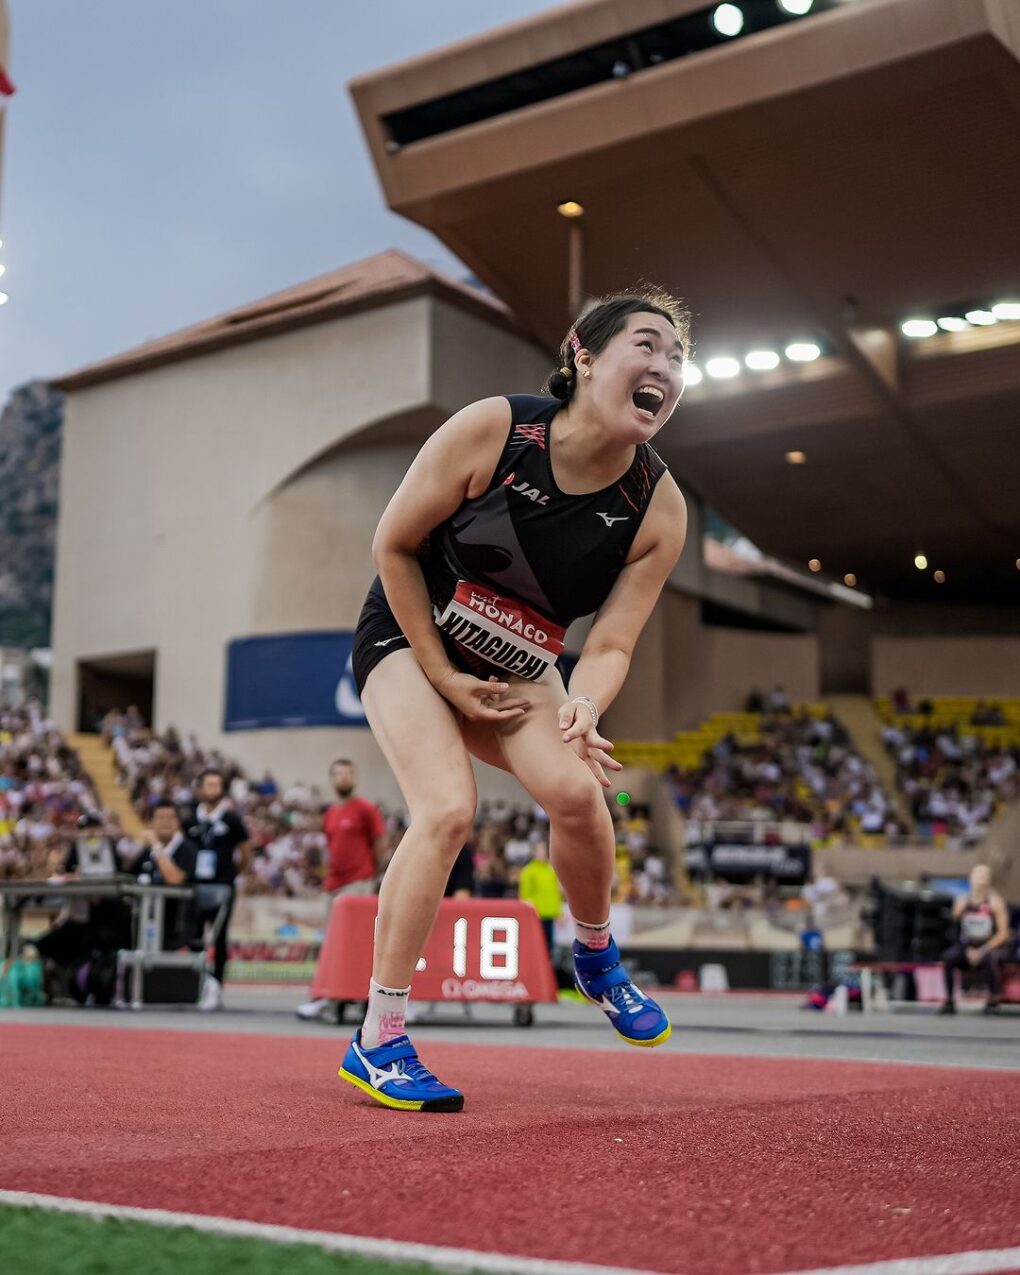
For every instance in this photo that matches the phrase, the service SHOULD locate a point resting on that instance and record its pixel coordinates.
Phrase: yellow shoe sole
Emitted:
(642, 1044)
(402, 1104)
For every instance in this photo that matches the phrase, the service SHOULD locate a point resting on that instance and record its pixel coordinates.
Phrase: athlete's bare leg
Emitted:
(419, 734)
(581, 841)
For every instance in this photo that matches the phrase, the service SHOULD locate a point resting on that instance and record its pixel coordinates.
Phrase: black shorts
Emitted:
(378, 635)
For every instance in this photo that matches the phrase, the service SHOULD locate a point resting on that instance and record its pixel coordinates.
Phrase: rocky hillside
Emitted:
(30, 429)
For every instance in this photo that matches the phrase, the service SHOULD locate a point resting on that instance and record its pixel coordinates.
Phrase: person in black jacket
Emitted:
(224, 850)
(168, 858)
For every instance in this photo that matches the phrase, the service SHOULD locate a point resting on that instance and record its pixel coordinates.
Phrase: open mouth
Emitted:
(647, 399)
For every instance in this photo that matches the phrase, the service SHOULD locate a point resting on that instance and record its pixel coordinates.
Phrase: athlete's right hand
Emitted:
(481, 701)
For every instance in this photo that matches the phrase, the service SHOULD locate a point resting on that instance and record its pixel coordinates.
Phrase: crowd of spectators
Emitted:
(801, 769)
(43, 792)
(954, 782)
(285, 825)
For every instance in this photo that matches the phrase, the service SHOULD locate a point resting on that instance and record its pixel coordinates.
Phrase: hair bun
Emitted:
(560, 386)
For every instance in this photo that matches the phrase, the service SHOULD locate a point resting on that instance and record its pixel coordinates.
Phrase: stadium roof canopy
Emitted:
(818, 178)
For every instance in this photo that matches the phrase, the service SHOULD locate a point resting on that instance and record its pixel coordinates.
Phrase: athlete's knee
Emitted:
(447, 819)
(576, 800)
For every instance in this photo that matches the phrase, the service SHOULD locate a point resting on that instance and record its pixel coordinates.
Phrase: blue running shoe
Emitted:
(601, 979)
(392, 1075)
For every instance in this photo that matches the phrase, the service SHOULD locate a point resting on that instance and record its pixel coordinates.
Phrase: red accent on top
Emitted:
(6, 87)
(533, 433)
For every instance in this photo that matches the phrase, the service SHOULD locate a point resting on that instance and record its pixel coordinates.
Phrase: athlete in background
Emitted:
(518, 516)
(983, 939)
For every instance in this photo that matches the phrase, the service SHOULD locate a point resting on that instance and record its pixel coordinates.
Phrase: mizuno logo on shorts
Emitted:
(387, 641)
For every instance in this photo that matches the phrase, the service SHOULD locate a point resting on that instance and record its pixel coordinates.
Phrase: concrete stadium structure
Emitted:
(223, 483)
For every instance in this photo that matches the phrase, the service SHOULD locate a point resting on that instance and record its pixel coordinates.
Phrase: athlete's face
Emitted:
(637, 380)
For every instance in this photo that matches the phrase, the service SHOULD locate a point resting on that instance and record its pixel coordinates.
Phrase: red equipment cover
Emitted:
(480, 950)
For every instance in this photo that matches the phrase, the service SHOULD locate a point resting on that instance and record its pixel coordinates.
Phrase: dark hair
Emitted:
(210, 770)
(341, 761)
(600, 321)
(165, 804)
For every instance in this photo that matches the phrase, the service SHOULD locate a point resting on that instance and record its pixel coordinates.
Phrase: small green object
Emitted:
(623, 798)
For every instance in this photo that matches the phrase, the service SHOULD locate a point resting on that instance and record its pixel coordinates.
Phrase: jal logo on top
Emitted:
(525, 489)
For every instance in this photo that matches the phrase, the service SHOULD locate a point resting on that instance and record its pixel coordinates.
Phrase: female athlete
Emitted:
(518, 516)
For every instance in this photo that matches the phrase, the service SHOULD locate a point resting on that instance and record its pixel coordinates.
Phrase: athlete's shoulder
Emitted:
(480, 417)
(666, 520)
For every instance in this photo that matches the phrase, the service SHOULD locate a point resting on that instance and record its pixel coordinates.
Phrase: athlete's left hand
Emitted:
(593, 749)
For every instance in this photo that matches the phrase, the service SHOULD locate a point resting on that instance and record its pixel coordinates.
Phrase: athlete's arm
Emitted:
(606, 654)
(1002, 931)
(455, 464)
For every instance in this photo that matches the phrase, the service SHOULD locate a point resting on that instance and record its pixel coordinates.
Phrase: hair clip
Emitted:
(575, 342)
(567, 373)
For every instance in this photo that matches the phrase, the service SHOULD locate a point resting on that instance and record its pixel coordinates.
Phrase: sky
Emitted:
(165, 161)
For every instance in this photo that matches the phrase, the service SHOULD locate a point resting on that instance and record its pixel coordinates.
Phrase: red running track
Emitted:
(664, 1161)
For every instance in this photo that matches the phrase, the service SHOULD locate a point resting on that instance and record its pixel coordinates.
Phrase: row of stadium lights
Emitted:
(728, 19)
(1001, 312)
(920, 562)
(4, 298)
(724, 367)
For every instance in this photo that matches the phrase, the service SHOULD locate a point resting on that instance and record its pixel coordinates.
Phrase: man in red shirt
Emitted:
(355, 836)
(355, 830)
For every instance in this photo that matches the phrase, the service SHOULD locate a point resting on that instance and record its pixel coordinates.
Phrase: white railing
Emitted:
(751, 832)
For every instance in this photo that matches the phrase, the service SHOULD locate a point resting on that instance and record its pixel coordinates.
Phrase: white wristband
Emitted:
(590, 706)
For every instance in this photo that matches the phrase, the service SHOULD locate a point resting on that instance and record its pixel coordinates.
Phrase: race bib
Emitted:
(977, 926)
(205, 865)
(501, 631)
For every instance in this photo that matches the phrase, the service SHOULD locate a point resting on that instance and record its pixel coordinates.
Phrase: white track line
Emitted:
(979, 1262)
(447, 1259)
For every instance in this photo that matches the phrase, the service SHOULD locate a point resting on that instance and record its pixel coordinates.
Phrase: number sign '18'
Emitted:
(471, 954)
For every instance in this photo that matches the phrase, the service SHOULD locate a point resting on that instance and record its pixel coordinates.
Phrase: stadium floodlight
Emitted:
(920, 562)
(723, 368)
(814, 565)
(981, 318)
(795, 8)
(915, 328)
(940, 577)
(761, 360)
(3, 268)
(1008, 310)
(850, 580)
(728, 19)
(796, 458)
(953, 323)
(692, 375)
(802, 352)
(4, 298)
(570, 208)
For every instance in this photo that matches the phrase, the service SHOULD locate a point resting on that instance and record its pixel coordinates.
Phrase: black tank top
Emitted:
(509, 571)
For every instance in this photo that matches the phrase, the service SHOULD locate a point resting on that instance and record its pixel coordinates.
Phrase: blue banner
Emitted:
(291, 680)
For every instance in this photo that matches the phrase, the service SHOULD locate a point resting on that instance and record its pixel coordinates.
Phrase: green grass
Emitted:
(40, 1242)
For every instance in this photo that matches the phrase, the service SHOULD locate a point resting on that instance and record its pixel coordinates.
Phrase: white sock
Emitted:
(385, 1018)
(594, 936)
